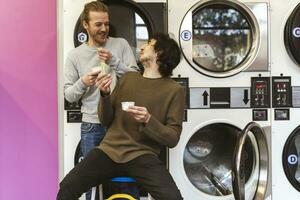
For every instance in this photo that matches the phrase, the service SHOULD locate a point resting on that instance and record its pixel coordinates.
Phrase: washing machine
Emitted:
(201, 163)
(226, 72)
(285, 58)
(134, 20)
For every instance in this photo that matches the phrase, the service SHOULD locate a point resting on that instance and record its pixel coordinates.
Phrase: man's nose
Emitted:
(103, 27)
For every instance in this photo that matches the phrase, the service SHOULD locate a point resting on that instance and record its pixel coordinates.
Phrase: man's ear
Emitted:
(85, 24)
(158, 53)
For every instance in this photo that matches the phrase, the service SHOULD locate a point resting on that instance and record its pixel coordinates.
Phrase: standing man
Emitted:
(80, 78)
(136, 135)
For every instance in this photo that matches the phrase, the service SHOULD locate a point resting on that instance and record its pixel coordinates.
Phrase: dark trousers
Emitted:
(97, 167)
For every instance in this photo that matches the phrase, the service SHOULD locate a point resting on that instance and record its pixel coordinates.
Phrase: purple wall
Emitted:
(28, 100)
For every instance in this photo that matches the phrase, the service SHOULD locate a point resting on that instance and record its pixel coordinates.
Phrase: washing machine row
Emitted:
(225, 46)
(285, 59)
(227, 77)
(232, 77)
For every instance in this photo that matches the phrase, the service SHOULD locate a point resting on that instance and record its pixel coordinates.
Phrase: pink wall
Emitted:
(28, 100)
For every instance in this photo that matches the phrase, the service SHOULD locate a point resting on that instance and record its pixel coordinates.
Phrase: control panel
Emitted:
(281, 92)
(260, 92)
(74, 114)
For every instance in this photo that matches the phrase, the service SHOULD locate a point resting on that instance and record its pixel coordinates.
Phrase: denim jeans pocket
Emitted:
(86, 127)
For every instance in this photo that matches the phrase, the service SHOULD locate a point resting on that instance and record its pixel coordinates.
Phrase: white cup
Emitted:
(126, 104)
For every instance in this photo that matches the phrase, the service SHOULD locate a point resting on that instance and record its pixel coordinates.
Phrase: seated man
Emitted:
(135, 135)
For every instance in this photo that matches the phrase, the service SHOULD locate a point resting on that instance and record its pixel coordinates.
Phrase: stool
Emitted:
(123, 187)
(117, 196)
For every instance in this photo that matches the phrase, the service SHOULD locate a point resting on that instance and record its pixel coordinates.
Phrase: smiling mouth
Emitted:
(102, 34)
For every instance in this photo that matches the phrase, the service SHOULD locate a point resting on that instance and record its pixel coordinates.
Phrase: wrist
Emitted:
(148, 119)
(81, 84)
(83, 81)
(104, 94)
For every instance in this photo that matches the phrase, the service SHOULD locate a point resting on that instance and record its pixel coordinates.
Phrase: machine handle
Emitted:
(238, 172)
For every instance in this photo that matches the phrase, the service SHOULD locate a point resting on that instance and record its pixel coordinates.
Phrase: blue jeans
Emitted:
(91, 136)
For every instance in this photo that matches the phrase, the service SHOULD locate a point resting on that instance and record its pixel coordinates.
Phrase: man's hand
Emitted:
(103, 82)
(104, 54)
(140, 114)
(89, 79)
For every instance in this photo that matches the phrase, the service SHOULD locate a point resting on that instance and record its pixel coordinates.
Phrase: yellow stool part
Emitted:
(115, 196)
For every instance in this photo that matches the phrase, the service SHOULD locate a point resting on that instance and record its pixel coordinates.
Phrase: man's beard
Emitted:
(144, 59)
(100, 38)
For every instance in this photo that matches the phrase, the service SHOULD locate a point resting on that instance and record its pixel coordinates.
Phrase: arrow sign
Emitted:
(246, 98)
(205, 95)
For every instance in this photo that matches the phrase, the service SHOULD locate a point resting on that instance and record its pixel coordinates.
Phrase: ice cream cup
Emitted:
(126, 104)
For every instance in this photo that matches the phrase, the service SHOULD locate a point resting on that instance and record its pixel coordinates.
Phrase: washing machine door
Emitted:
(78, 155)
(239, 164)
(292, 35)
(291, 158)
(208, 160)
(130, 20)
(222, 38)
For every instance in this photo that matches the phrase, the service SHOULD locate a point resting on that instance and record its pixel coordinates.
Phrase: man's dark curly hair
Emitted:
(168, 53)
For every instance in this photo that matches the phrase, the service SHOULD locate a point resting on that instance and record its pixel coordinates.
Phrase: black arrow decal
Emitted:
(246, 99)
(205, 95)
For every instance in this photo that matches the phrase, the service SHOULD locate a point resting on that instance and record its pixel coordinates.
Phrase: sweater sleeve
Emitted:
(74, 88)
(168, 134)
(106, 108)
(126, 62)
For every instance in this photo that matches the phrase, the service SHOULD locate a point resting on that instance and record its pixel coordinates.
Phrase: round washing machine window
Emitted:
(292, 35)
(291, 158)
(208, 158)
(78, 156)
(219, 38)
(127, 19)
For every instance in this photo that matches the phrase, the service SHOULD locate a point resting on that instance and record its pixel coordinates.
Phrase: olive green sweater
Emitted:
(126, 138)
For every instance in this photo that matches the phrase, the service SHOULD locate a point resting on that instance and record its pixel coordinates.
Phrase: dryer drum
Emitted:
(78, 156)
(292, 35)
(122, 24)
(222, 38)
(208, 158)
(226, 35)
(291, 158)
(130, 20)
